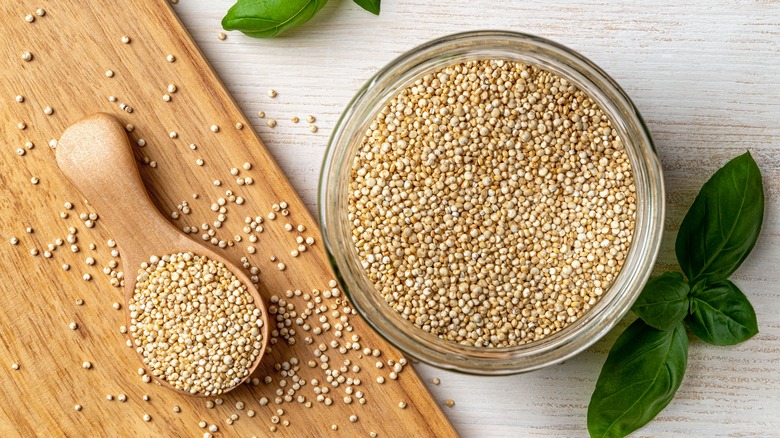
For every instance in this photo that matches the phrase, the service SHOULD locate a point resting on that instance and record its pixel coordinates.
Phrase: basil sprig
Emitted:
(721, 314)
(369, 5)
(722, 225)
(664, 301)
(644, 368)
(269, 18)
(646, 365)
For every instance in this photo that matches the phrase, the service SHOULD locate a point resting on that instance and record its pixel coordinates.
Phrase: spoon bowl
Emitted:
(96, 156)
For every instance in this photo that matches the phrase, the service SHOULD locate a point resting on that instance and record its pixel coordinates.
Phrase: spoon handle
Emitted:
(96, 156)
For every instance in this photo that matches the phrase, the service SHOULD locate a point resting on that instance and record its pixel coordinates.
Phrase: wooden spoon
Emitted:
(95, 154)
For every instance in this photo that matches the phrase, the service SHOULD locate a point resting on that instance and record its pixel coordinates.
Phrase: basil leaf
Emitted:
(642, 373)
(369, 5)
(268, 18)
(664, 301)
(721, 314)
(723, 223)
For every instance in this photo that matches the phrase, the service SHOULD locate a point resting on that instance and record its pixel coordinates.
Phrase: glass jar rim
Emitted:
(512, 46)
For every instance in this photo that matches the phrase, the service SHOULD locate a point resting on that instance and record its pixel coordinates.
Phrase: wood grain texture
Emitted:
(73, 45)
(706, 77)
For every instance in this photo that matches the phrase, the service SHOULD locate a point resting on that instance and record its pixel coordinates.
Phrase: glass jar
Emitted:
(337, 233)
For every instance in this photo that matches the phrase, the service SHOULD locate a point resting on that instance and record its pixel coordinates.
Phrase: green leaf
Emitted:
(664, 301)
(721, 314)
(268, 18)
(723, 223)
(642, 373)
(369, 5)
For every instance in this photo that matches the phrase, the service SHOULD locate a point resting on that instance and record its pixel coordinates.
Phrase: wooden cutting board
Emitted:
(72, 47)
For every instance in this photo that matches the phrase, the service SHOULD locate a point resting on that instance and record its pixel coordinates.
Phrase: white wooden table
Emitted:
(706, 77)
